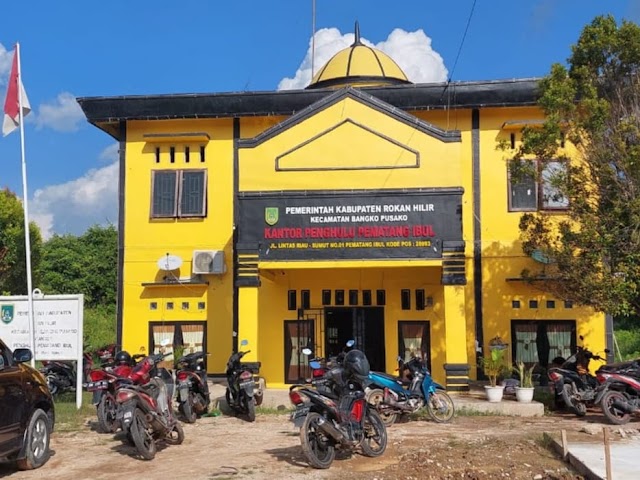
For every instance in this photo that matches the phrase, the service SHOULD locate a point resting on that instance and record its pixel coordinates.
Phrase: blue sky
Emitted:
(77, 48)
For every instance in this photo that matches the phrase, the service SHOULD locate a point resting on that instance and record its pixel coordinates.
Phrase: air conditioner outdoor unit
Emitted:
(208, 262)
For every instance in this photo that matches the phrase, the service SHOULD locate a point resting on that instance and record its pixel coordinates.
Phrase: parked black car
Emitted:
(27, 414)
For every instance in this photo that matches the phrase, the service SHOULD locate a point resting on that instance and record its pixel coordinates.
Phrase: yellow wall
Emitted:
(146, 240)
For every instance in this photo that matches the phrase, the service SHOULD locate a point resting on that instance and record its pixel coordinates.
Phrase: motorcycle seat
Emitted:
(393, 378)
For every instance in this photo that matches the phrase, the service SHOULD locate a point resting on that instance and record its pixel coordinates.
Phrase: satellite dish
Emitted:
(169, 262)
(541, 257)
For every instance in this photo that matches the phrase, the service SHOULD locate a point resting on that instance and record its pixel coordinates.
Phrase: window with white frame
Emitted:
(178, 193)
(527, 194)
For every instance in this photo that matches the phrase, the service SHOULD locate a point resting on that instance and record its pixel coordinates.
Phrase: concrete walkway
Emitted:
(589, 458)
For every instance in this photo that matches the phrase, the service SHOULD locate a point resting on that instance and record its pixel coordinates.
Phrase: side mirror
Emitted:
(606, 350)
(244, 343)
(351, 343)
(306, 351)
(22, 355)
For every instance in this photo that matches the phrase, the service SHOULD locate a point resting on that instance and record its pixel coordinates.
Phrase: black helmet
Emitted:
(356, 365)
(122, 358)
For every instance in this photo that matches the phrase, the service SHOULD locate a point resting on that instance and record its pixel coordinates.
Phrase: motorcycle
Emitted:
(145, 407)
(573, 384)
(193, 389)
(103, 384)
(244, 389)
(61, 375)
(392, 396)
(320, 367)
(622, 398)
(346, 422)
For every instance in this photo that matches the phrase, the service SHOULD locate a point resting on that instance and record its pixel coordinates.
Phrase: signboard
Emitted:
(58, 328)
(363, 225)
(58, 321)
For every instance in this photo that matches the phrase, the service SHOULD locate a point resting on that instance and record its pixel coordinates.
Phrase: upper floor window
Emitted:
(178, 193)
(526, 193)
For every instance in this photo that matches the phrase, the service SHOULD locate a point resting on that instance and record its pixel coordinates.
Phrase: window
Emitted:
(178, 193)
(540, 341)
(526, 194)
(190, 336)
(414, 340)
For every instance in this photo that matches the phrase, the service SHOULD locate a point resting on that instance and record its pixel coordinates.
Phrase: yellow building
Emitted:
(362, 207)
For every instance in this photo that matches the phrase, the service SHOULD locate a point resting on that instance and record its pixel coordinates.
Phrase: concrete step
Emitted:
(473, 402)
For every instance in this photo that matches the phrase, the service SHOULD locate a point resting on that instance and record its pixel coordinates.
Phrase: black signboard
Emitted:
(363, 225)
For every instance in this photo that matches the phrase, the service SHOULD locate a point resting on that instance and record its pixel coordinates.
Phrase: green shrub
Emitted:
(99, 327)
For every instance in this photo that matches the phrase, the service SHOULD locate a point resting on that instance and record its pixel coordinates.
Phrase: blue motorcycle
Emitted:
(393, 396)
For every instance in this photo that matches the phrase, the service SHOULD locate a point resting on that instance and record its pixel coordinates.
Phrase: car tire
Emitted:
(37, 438)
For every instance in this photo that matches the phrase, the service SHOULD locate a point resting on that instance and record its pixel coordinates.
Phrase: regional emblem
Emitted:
(6, 313)
(271, 215)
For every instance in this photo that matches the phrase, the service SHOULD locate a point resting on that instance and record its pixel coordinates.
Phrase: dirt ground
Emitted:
(225, 447)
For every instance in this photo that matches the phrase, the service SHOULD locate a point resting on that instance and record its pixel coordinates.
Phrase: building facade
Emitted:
(362, 207)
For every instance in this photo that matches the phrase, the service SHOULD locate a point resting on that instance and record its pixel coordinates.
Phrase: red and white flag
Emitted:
(11, 105)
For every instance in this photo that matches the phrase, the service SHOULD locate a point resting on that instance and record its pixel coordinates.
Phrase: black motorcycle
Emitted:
(244, 389)
(346, 422)
(193, 389)
(574, 385)
(60, 376)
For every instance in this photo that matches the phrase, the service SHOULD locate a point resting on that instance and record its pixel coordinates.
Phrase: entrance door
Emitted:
(365, 325)
(298, 334)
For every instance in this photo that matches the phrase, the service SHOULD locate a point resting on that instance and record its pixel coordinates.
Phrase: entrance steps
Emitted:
(467, 403)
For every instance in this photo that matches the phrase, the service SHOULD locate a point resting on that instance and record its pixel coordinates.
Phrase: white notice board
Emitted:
(58, 325)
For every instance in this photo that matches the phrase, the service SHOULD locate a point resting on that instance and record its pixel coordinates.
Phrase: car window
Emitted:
(4, 354)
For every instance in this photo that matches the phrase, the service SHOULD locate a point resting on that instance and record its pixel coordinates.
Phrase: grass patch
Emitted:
(273, 411)
(68, 417)
(471, 412)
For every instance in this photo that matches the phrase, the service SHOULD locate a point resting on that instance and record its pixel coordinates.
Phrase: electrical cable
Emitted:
(464, 36)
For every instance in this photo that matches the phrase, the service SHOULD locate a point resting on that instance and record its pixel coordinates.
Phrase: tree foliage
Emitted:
(13, 264)
(84, 264)
(594, 103)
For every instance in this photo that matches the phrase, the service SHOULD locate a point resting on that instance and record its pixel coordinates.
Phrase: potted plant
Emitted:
(494, 366)
(524, 393)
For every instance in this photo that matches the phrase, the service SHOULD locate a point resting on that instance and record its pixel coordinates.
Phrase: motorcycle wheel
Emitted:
(316, 446)
(52, 384)
(107, 410)
(227, 397)
(579, 408)
(250, 404)
(142, 436)
(175, 436)
(374, 398)
(187, 410)
(440, 407)
(613, 414)
(374, 442)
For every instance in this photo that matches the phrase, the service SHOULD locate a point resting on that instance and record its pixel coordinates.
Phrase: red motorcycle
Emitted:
(144, 407)
(193, 389)
(61, 375)
(104, 383)
(622, 398)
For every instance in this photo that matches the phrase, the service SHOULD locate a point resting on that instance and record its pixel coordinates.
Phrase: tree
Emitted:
(86, 264)
(594, 103)
(13, 263)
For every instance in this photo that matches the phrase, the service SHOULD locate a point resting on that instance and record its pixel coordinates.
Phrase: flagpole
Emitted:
(313, 37)
(25, 201)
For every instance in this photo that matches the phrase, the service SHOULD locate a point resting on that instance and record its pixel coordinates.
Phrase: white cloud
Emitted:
(62, 114)
(412, 51)
(5, 64)
(111, 153)
(74, 206)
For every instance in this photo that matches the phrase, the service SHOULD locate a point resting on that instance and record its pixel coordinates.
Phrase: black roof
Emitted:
(107, 112)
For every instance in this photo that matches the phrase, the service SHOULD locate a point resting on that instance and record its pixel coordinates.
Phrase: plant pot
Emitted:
(524, 394)
(494, 394)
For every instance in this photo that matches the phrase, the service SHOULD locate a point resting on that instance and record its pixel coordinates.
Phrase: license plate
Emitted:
(298, 417)
(246, 383)
(184, 394)
(101, 385)
(128, 414)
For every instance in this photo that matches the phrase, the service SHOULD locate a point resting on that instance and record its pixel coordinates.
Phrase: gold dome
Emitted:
(359, 65)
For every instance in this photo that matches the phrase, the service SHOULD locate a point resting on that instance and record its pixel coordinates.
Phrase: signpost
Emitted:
(58, 332)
